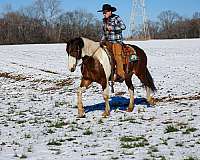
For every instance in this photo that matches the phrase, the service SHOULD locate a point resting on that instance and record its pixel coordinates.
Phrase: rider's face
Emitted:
(107, 14)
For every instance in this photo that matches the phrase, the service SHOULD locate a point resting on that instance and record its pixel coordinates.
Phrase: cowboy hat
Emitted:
(107, 7)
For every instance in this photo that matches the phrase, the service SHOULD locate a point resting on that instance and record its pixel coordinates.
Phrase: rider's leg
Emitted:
(117, 51)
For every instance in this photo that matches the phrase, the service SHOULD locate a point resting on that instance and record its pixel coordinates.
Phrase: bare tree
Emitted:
(47, 10)
(7, 7)
(167, 20)
(196, 15)
(153, 29)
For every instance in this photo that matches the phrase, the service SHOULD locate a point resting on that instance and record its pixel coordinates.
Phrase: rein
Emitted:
(92, 54)
(95, 51)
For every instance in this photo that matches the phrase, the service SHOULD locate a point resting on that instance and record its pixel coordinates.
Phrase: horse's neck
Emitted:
(89, 47)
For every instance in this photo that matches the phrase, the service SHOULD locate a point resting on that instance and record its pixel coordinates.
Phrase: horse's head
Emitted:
(74, 50)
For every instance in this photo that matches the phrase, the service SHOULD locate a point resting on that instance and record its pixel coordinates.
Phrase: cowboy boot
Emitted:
(117, 51)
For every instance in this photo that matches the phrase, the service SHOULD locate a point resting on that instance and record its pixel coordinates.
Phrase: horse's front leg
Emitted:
(106, 99)
(131, 92)
(84, 85)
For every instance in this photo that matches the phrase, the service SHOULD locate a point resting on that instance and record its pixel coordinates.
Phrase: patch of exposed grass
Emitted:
(198, 142)
(87, 132)
(29, 149)
(171, 128)
(191, 119)
(164, 141)
(114, 158)
(130, 120)
(74, 122)
(191, 158)
(60, 103)
(133, 142)
(3, 143)
(72, 128)
(21, 121)
(182, 125)
(179, 144)
(153, 149)
(23, 156)
(131, 138)
(50, 131)
(21, 113)
(71, 139)
(54, 142)
(27, 136)
(100, 121)
(127, 153)
(109, 150)
(133, 145)
(162, 158)
(58, 124)
(189, 130)
(93, 154)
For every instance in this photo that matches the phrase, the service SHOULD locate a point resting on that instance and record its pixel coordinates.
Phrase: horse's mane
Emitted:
(90, 46)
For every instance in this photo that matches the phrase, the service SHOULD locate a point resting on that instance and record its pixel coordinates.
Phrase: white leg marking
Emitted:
(148, 93)
(71, 62)
(106, 98)
(81, 111)
(131, 103)
(150, 98)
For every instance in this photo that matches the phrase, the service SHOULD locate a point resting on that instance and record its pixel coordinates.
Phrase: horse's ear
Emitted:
(67, 44)
(80, 42)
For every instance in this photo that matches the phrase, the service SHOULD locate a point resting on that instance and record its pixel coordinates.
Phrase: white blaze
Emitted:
(71, 62)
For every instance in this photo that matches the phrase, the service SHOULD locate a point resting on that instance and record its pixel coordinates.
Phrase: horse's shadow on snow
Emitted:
(120, 103)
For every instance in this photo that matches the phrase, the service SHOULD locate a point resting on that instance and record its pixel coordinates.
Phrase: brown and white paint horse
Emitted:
(96, 67)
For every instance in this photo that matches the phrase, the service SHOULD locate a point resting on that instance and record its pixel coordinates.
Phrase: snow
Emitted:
(38, 114)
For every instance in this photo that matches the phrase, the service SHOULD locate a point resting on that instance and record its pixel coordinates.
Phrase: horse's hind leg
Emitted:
(84, 85)
(147, 84)
(150, 98)
(131, 92)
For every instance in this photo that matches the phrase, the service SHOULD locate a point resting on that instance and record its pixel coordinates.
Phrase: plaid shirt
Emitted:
(115, 35)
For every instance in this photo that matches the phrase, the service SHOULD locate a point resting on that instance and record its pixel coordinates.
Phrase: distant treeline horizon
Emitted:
(44, 22)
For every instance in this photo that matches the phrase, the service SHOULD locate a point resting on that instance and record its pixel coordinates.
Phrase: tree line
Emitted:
(44, 22)
(171, 25)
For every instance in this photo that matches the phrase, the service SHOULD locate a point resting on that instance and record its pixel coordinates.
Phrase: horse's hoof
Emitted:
(81, 116)
(129, 110)
(106, 114)
(151, 101)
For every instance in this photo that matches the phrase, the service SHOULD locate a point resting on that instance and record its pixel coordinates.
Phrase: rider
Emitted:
(112, 29)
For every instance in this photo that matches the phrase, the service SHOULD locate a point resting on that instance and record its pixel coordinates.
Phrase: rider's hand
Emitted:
(109, 28)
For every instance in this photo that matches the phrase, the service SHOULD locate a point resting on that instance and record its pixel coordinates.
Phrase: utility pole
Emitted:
(138, 15)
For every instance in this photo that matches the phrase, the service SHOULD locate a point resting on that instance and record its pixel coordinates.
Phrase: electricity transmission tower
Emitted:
(138, 15)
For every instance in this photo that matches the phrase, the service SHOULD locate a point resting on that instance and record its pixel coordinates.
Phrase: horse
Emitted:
(96, 67)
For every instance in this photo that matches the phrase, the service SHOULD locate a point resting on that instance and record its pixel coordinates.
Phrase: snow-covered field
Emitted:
(38, 114)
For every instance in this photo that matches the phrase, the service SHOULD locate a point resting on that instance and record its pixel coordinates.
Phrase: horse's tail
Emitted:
(150, 82)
